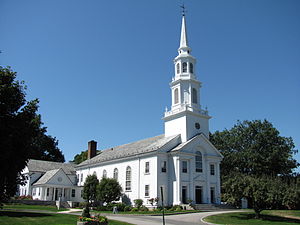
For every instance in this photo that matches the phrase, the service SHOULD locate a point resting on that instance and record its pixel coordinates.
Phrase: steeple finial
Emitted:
(183, 9)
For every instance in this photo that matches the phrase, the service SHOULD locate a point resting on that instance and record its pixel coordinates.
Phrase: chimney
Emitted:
(92, 149)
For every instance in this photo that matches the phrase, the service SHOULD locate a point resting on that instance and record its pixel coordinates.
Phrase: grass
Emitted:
(30, 218)
(268, 217)
(33, 207)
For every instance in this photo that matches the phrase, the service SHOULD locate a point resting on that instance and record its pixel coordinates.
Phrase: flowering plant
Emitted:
(98, 218)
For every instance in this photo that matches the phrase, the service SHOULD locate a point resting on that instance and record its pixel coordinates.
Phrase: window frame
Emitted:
(147, 167)
(128, 179)
(198, 169)
(73, 193)
(184, 67)
(164, 166)
(116, 174)
(212, 169)
(147, 191)
(184, 166)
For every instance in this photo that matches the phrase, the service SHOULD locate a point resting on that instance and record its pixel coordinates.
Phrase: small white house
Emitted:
(50, 181)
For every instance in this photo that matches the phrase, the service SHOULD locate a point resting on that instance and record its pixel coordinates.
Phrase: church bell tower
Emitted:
(185, 116)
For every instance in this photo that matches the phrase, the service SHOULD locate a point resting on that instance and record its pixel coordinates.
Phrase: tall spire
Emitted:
(183, 37)
(183, 48)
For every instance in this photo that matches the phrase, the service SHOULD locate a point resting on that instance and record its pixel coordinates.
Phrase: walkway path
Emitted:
(181, 219)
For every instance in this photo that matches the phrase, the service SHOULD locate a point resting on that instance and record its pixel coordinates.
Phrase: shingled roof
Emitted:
(128, 150)
(46, 177)
(44, 166)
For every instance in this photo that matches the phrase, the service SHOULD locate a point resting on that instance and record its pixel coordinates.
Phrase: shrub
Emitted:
(138, 203)
(144, 208)
(134, 210)
(101, 208)
(176, 208)
(86, 212)
(127, 208)
(82, 205)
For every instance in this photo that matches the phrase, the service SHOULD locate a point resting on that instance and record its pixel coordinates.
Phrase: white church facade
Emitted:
(182, 161)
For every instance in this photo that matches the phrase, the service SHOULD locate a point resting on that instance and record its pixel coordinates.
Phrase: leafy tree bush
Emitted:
(138, 203)
(108, 190)
(143, 209)
(255, 148)
(22, 134)
(127, 208)
(86, 212)
(90, 188)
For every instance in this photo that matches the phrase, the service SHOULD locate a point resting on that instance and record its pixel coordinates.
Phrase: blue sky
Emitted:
(101, 69)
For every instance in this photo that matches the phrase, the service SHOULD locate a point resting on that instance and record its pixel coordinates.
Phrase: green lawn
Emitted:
(269, 217)
(30, 218)
(32, 207)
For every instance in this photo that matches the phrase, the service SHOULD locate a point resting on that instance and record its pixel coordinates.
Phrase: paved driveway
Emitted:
(183, 219)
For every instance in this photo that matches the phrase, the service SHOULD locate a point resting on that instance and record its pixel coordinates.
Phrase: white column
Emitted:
(207, 197)
(218, 187)
(178, 181)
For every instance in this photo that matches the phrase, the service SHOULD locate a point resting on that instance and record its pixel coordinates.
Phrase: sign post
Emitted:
(162, 204)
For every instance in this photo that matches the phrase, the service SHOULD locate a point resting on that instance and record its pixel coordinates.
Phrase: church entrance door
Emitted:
(184, 193)
(198, 194)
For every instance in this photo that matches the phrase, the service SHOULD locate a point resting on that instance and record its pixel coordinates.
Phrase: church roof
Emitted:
(44, 166)
(128, 150)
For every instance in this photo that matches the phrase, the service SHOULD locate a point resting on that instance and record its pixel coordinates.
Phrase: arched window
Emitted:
(176, 96)
(198, 162)
(116, 173)
(184, 67)
(177, 68)
(194, 96)
(191, 68)
(128, 179)
(94, 173)
(104, 174)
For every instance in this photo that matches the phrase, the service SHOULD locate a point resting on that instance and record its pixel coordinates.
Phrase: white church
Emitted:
(182, 160)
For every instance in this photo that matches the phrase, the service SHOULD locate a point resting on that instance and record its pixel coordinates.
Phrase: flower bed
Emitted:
(94, 220)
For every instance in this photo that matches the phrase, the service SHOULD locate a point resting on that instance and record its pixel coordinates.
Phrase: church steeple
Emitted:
(183, 38)
(185, 116)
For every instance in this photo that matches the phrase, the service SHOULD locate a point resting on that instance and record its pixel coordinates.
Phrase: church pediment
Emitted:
(198, 142)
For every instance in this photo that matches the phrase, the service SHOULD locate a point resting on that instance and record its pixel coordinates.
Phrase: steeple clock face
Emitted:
(197, 125)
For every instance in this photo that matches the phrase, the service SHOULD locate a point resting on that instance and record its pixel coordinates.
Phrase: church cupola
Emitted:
(185, 116)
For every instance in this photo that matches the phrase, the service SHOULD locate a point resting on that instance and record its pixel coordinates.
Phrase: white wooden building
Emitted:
(182, 160)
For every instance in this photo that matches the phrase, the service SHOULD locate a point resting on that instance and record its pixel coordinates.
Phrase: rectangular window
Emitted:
(81, 193)
(128, 186)
(147, 187)
(147, 167)
(212, 169)
(33, 191)
(81, 177)
(164, 166)
(73, 193)
(184, 166)
(47, 191)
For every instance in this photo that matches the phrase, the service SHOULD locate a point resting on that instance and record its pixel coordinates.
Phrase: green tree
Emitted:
(261, 192)
(108, 190)
(90, 188)
(79, 158)
(21, 131)
(255, 148)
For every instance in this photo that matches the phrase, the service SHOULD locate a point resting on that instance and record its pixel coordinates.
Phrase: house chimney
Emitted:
(92, 149)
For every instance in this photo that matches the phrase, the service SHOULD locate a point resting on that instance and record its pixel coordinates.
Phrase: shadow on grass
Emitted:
(23, 214)
(249, 216)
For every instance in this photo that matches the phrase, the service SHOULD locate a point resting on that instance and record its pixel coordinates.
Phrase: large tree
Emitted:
(255, 148)
(109, 190)
(90, 188)
(22, 135)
